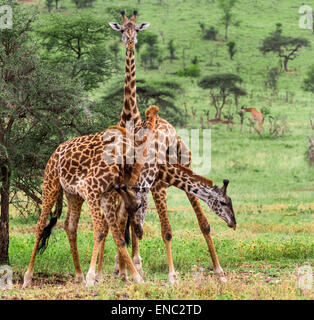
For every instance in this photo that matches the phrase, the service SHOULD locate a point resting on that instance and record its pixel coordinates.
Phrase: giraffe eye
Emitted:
(223, 203)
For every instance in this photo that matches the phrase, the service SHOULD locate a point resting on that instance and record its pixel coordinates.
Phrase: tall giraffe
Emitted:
(168, 134)
(129, 31)
(91, 168)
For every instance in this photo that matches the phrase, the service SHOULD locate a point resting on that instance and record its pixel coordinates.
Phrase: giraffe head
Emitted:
(132, 205)
(221, 204)
(129, 29)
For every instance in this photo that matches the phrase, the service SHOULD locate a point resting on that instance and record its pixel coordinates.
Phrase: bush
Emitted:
(190, 71)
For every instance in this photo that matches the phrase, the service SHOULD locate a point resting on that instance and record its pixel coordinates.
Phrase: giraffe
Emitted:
(216, 198)
(256, 116)
(194, 185)
(130, 112)
(91, 168)
(129, 29)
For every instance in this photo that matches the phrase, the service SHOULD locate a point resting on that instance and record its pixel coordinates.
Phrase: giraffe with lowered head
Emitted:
(167, 139)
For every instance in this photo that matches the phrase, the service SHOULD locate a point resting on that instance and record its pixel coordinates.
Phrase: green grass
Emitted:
(271, 184)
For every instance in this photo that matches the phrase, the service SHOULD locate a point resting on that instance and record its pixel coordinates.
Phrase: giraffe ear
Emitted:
(142, 26)
(224, 187)
(115, 26)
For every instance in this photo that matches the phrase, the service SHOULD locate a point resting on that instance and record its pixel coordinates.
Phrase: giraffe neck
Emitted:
(130, 111)
(188, 182)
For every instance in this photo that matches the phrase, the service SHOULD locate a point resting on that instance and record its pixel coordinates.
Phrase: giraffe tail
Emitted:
(44, 238)
(127, 232)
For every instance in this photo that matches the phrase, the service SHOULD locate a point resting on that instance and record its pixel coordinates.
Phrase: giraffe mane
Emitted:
(123, 130)
(202, 179)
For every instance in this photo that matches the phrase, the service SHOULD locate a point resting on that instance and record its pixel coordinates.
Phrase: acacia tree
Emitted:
(39, 109)
(227, 17)
(76, 44)
(221, 86)
(286, 47)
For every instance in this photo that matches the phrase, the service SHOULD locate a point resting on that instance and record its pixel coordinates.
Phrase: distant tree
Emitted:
(285, 47)
(195, 60)
(221, 86)
(231, 49)
(83, 3)
(152, 51)
(271, 81)
(308, 83)
(190, 71)
(115, 48)
(49, 4)
(77, 45)
(227, 17)
(57, 4)
(172, 50)
(208, 34)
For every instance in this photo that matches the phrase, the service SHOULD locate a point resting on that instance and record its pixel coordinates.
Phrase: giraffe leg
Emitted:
(137, 260)
(122, 265)
(159, 191)
(98, 228)
(205, 228)
(51, 191)
(101, 253)
(107, 203)
(70, 226)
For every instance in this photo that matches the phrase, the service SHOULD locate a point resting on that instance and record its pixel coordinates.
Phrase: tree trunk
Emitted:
(4, 218)
(226, 31)
(285, 63)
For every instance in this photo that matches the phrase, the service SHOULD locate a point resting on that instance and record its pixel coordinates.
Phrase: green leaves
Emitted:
(223, 81)
(77, 45)
(284, 46)
(308, 83)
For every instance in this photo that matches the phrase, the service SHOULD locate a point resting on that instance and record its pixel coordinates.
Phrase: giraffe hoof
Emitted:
(173, 278)
(222, 279)
(138, 264)
(90, 279)
(138, 279)
(99, 277)
(138, 267)
(123, 277)
(79, 278)
(27, 280)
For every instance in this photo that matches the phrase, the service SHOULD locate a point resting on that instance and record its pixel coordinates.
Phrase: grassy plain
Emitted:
(271, 183)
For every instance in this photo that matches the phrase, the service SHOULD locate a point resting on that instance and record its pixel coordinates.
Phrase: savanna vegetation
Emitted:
(61, 75)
